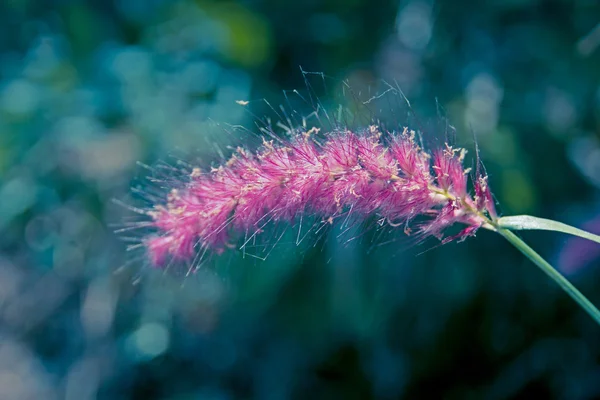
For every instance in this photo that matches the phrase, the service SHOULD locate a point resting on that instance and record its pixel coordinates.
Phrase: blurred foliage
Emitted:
(89, 88)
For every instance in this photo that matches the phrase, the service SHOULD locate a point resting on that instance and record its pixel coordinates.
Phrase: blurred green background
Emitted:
(87, 88)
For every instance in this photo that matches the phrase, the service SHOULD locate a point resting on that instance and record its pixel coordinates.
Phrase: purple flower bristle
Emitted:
(371, 172)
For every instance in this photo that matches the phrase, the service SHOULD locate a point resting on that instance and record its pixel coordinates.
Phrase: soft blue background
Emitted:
(87, 88)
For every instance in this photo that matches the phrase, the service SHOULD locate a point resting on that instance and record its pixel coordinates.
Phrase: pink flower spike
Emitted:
(326, 176)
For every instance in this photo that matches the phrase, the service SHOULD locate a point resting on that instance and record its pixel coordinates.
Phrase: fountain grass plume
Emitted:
(369, 172)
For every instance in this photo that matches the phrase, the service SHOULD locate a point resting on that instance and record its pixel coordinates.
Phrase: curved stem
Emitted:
(552, 273)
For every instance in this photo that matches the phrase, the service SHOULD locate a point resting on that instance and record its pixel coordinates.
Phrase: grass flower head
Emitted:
(368, 172)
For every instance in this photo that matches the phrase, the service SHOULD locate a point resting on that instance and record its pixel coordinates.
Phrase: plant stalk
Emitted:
(552, 273)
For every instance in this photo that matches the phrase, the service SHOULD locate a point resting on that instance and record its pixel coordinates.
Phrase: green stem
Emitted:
(552, 273)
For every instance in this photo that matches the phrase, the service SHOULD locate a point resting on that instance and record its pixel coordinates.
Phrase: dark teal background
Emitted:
(87, 88)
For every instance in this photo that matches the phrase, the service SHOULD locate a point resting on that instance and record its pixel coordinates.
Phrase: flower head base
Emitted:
(366, 172)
